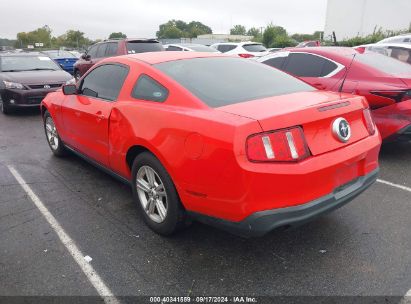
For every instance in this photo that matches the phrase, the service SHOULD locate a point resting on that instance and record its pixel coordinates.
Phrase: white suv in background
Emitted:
(190, 47)
(242, 49)
(404, 38)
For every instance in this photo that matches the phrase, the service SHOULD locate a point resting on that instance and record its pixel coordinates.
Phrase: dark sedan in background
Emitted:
(63, 58)
(26, 78)
(111, 48)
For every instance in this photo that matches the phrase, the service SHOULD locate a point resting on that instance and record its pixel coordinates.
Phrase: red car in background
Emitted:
(110, 48)
(220, 139)
(384, 81)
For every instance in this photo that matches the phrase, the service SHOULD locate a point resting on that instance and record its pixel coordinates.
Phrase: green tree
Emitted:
(117, 35)
(255, 32)
(172, 32)
(7, 42)
(76, 38)
(270, 34)
(180, 29)
(195, 28)
(40, 35)
(307, 37)
(238, 30)
(283, 41)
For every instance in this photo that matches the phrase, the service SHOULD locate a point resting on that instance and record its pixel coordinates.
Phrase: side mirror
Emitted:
(69, 89)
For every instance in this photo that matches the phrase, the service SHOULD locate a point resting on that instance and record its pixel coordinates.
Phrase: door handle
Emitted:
(100, 115)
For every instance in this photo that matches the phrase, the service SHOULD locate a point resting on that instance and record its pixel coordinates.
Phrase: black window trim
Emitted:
(155, 80)
(100, 65)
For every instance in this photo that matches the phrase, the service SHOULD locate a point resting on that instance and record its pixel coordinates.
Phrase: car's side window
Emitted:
(173, 48)
(111, 49)
(147, 88)
(104, 82)
(92, 51)
(307, 65)
(223, 48)
(101, 51)
(276, 62)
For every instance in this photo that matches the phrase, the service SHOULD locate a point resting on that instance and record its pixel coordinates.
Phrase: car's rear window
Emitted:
(144, 46)
(254, 47)
(384, 64)
(220, 81)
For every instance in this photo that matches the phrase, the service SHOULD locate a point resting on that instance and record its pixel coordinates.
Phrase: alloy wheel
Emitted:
(51, 133)
(152, 194)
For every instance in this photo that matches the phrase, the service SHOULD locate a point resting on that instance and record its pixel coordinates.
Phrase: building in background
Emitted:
(351, 18)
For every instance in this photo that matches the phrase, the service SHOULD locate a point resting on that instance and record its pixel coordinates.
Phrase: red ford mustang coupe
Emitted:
(384, 81)
(223, 140)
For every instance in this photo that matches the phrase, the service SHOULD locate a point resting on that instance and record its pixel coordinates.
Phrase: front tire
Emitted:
(156, 195)
(4, 107)
(53, 139)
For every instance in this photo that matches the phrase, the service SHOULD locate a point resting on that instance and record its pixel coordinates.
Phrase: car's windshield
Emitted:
(59, 54)
(144, 46)
(254, 48)
(27, 63)
(220, 81)
(384, 64)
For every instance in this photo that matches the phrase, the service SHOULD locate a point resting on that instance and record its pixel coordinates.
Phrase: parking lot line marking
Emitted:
(394, 185)
(68, 242)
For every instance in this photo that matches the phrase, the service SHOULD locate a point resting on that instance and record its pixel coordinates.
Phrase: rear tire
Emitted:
(53, 139)
(156, 195)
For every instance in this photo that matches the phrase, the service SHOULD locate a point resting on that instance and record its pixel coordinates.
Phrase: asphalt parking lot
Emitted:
(362, 249)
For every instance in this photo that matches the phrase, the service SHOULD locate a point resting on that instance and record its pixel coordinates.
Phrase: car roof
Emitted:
(158, 57)
(401, 45)
(130, 39)
(237, 43)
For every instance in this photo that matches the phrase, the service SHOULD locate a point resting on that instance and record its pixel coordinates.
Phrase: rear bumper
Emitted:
(259, 223)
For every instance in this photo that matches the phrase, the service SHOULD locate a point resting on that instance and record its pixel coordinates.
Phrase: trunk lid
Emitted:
(314, 111)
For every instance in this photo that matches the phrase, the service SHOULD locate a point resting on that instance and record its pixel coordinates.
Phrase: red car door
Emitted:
(86, 115)
(87, 118)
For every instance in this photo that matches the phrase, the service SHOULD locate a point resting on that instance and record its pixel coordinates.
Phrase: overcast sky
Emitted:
(141, 18)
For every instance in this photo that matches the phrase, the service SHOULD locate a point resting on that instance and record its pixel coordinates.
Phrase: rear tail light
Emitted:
(360, 49)
(286, 145)
(397, 96)
(369, 121)
(246, 55)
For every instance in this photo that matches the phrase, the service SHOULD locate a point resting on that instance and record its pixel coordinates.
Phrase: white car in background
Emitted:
(242, 49)
(405, 38)
(190, 47)
(398, 51)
